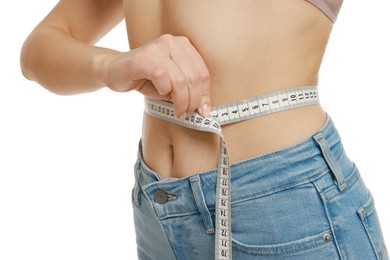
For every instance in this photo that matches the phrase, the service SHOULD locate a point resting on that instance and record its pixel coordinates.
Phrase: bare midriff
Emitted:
(250, 47)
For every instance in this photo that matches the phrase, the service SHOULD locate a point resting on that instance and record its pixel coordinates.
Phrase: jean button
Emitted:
(160, 196)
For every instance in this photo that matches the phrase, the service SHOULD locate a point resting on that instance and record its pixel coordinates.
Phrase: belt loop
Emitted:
(330, 160)
(201, 204)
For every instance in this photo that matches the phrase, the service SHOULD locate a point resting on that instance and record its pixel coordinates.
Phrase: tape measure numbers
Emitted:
(227, 114)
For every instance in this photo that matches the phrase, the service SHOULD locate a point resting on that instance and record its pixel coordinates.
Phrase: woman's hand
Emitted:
(168, 68)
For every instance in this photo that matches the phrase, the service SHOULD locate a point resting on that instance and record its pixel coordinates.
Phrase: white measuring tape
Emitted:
(227, 114)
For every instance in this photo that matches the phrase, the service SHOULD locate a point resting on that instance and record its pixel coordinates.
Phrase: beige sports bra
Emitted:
(330, 8)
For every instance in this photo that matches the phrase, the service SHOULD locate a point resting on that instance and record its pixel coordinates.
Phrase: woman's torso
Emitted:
(250, 47)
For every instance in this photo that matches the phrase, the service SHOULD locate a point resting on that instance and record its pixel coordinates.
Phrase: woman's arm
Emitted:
(59, 55)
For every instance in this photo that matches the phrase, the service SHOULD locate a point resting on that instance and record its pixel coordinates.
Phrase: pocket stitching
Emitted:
(285, 248)
(364, 212)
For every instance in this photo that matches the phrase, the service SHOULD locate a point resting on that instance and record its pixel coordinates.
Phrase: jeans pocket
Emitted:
(288, 223)
(306, 248)
(369, 218)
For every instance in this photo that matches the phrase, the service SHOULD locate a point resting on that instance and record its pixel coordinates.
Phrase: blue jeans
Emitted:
(306, 201)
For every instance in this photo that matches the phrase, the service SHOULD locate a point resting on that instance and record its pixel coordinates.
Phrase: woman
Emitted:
(291, 191)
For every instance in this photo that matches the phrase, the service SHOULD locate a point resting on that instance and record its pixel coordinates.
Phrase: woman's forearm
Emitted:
(62, 64)
(168, 67)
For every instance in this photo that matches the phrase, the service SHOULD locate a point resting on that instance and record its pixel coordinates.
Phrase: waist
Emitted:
(262, 174)
(176, 151)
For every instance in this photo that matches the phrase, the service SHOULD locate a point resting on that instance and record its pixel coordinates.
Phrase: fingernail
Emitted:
(206, 109)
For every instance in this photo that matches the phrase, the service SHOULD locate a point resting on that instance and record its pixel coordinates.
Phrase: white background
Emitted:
(66, 162)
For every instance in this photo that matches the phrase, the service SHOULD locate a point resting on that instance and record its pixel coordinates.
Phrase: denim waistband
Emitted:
(258, 176)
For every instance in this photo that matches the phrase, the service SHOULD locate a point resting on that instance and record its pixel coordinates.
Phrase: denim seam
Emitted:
(206, 216)
(346, 180)
(315, 244)
(364, 212)
(136, 196)
(353, 177)
(370, 208)
(325, 206)
(163, 229)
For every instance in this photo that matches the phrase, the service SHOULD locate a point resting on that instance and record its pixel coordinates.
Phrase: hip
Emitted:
(304, 201)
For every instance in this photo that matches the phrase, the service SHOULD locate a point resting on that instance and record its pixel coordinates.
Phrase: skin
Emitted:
(196, 54)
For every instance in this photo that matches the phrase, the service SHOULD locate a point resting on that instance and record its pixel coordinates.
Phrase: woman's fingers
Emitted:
(185, 61)
(176, 70)
(203, 81)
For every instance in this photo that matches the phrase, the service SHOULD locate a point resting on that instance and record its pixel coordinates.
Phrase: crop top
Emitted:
(330, 8)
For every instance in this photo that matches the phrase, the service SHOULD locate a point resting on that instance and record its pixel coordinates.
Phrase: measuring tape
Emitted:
(227, 114)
